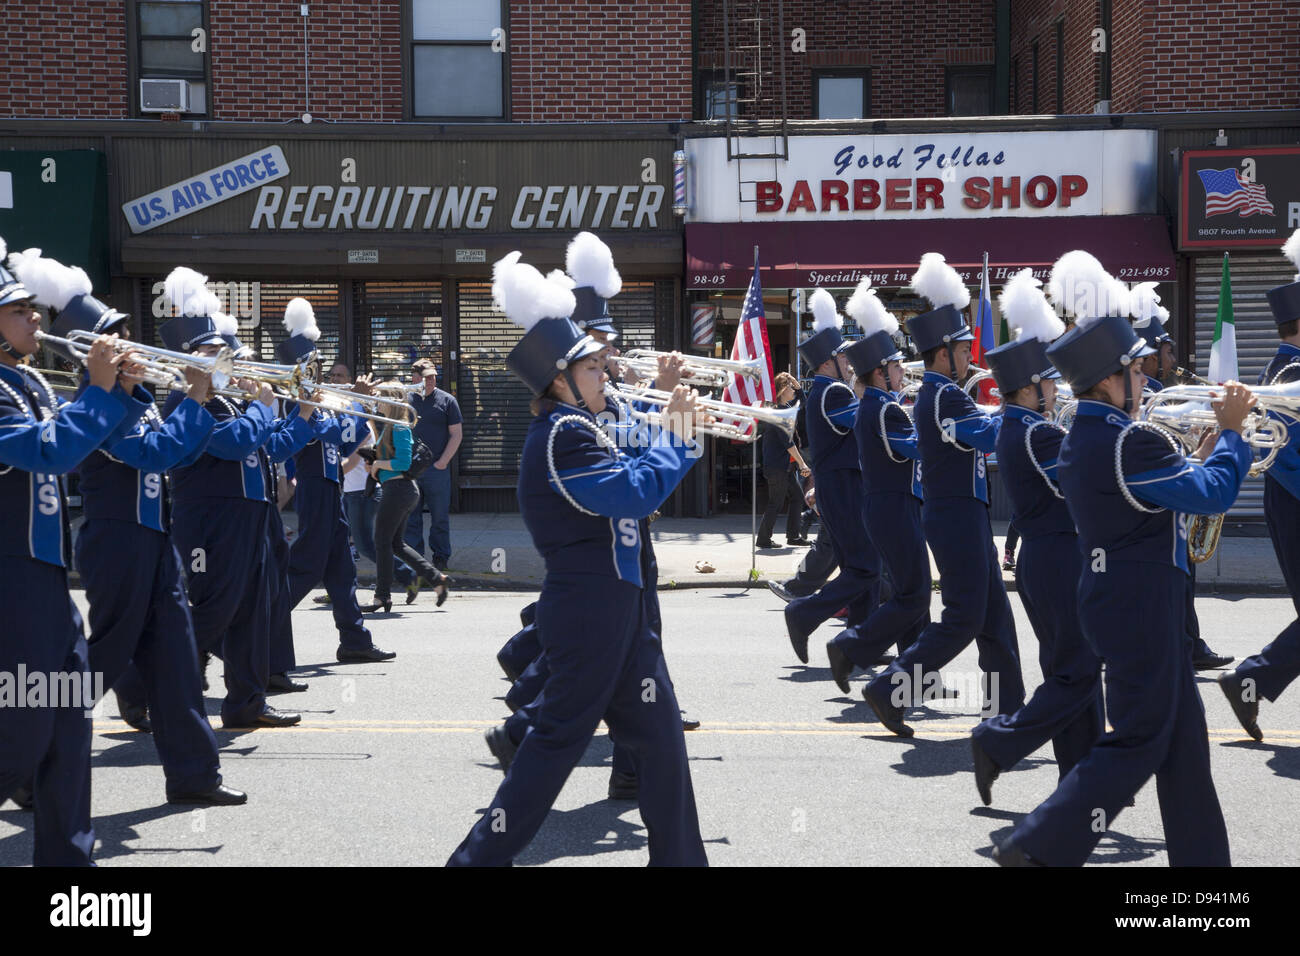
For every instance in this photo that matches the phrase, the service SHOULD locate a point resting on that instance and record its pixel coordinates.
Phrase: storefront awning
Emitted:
(839, 254)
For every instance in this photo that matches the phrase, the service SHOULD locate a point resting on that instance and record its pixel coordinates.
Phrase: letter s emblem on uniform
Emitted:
(627, 531)
(331, 454)
(1184, 522)
(251, 460)
(152, 485)
(980, 465)
(47, 496)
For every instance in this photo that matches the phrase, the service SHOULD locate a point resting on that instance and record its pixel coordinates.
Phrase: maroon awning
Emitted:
(795, 255)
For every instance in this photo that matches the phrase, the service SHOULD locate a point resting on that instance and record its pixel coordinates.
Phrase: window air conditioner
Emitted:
(164, 96)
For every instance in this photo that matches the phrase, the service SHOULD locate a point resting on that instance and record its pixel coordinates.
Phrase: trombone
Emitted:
(163, 368)
(700, 371)
(731, 420)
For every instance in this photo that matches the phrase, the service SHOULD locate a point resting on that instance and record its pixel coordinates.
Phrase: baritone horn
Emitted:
(731, 420)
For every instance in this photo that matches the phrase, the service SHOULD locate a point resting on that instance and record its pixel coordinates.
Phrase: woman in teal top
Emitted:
(400, 497)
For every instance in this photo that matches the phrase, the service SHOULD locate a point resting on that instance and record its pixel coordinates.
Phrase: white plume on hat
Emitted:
(1290, 249)
(939, 282)
(526, 296)
(822, 305)
(225, 324)
(589, 261)
(300, 319)
(562, 277)
(1144, 305)
(1080, 286)
(188, 293)
(868, 311)
(49, 281)
(1026, 309)
(4, 250)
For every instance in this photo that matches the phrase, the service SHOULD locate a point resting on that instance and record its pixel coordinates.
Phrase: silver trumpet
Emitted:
(163, 368)
(700, 371)
(731, 420)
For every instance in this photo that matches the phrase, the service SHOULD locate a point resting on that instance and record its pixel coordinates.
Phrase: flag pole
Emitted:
(753, 474)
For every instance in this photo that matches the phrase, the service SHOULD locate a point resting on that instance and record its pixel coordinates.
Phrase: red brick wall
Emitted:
(354, 60)
(1130, 56)
(579, 61)
(1036, 20)
(64, 58)
(1206, 55)
(905, 44)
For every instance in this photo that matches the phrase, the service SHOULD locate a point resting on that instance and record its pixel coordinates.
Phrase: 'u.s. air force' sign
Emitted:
(206, 189)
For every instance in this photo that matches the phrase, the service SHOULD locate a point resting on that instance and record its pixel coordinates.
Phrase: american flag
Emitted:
(1226, 191)
(751, 343)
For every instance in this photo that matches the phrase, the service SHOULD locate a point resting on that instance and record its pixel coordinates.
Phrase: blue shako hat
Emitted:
(943, 326)
(11, 289)
(541, 307)
(1153, 333)
(826, 339)
(1284, 300)
(300, 323)
(185, 333)
(195, 306)
(66, 291)
(547, 350)
(870, 353)
(1089, 352)
(87, 313)
(1019, 364)
(590, 264)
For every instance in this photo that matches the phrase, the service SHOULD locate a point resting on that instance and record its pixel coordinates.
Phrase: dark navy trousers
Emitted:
(322, 551)
(521, 650)
(224, 549)
(139, 611)
(1278, 664)
(1067, 707)
(857, 586)
(893, 520)
(48, 745)
(605, 662)
(1133, 615)
(282, 657)
(975, 607)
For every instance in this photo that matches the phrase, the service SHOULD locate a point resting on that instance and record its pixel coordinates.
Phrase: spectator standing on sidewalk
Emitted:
(440, 428)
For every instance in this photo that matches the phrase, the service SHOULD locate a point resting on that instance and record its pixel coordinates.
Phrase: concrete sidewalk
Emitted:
(495, 551)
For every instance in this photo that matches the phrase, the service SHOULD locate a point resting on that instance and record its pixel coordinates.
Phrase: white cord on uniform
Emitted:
(884, 436)
(601, 439)
(1119, 460)
(1033, 460)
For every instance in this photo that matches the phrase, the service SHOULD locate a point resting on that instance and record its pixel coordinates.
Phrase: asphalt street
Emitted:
(389, 766)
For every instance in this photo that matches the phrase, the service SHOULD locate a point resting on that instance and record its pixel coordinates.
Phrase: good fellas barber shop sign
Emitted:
(940, 176)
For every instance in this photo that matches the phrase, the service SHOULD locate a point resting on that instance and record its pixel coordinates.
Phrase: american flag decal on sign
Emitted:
(1226, 191)
(751, 343)
(702, 326)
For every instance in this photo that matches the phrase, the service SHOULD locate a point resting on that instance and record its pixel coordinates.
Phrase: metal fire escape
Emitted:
(757, 130)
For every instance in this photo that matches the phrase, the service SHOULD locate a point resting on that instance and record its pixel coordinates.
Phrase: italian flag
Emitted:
(1223, 352)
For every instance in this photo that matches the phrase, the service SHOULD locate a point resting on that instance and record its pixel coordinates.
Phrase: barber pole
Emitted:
(679, 182)
(702, 319)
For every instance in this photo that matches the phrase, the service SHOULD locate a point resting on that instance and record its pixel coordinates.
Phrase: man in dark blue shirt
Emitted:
(439, 427)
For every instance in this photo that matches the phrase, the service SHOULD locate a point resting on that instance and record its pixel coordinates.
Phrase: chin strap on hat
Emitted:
(9, 349)
(1125, 361)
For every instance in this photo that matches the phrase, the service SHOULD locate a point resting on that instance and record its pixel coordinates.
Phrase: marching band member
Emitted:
(322, 550)
(1268, 673)
(40, 441)
(584, 502)
(138, 608)
(1130, 490)
(837, 472)
(221, 504)
(1149, 317)
(886, 449)
(1067, 707)
(952, 434)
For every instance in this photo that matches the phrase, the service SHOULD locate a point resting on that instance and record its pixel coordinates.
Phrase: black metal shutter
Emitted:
(493, 402)
(397, 323)
(264, 330)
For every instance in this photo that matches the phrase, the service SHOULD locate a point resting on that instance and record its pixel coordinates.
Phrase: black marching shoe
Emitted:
(841, 666)
(798, 638)
(502, 747)
(270, 717)
(1211, 661)
(779, 589)
(204, 658)
(986, 771)
(322, 599)
(138, 717)
(886, 713)
(766, 544)
(24, 798)
(689, 722)
(284, 684)
(622, 786)
(1247, 711)
(348, 655)
(386, 606)
(218, 796)
(1008, 854)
